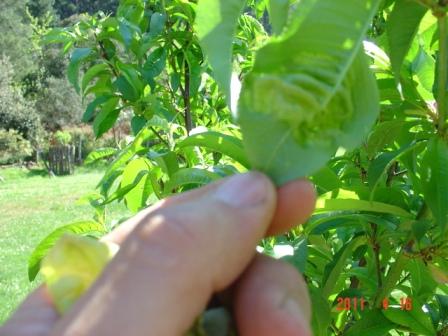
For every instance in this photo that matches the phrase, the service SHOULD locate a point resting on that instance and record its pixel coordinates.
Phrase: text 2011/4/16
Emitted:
(359, 303)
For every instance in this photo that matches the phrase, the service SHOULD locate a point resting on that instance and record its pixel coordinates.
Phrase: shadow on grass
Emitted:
(37, 172)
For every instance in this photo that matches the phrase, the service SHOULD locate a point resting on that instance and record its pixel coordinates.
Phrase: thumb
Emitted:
(174, 260)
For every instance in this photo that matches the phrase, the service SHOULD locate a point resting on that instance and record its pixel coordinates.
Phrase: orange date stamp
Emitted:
(361, 304)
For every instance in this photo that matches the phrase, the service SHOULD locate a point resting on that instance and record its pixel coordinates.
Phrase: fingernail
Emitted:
(243, 190)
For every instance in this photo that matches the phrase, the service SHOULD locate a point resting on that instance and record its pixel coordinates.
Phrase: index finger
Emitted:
(295, 203)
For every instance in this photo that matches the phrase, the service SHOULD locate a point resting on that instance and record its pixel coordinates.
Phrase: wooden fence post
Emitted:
(61, 160)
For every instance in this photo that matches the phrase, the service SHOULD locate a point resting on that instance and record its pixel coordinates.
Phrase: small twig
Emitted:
(186, 96)
(160, 137)
(376, 251)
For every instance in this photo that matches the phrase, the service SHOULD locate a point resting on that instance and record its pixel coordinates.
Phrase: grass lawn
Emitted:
(31, 206)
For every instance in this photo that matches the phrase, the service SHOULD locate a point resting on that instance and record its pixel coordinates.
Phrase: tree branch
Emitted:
(186, 96)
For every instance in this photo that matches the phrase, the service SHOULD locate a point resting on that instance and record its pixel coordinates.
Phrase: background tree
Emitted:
(58, 104)
(16, 112)
(16, 34)
(67, 8)
(40, 8)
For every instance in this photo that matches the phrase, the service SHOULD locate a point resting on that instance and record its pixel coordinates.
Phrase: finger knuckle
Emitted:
(167, 239)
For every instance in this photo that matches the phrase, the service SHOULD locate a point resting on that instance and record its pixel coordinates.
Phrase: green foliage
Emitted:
(16, 34)
(40, 8)
(62, 138)
(100, 154)
(342, 91)
(434, 175)
(66, 8)
(13, 147)
(216, 24)
(402, 27)
(15, 112)
(58, 104)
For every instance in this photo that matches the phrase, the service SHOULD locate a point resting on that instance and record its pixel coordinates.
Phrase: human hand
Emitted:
(175, 255)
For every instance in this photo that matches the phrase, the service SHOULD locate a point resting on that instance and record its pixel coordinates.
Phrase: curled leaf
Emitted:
(310, 91)
(71, 267)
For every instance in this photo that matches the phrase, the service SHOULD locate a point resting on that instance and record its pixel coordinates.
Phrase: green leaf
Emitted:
(103, 86)
(121, 192)
(157, 24)
(321, 313)
(334, 269)
(127, 31)
(420, 228)
(92, 107)
(155, 63)
(79, 228)
(57, 35)
(298, 260)
(125, 155)
(392, 277)
(434, 179)
(278, 14)
(107, 117)
(92, 73)
(218, 142)
(373, 323)
(323, 224)
(167, 161)
(216, 22)
(79, 55)
(414, 320)
(137, 124)
(442, 301)
(132, 76)
(157, 121)
(135, 198)
(383, 162)
(326, 180)
(424, 68)
(325, 96)
(402, 26)
(361, 205)
(188, 176)
(99, 154)
(126, 89)
(384, 134)
(422, 283)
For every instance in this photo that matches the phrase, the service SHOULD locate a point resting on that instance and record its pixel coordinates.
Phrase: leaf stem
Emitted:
(376, 252)
(442, 75)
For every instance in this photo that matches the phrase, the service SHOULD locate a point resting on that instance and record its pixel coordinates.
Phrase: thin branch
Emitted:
(160, 137)
(376, 251)
(187, 101)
